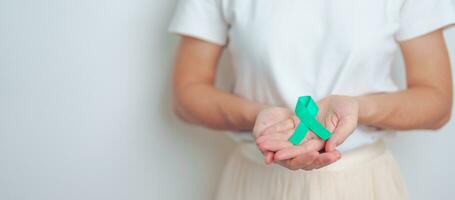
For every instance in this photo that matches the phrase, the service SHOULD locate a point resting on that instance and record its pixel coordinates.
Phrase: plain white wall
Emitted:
(85, 110)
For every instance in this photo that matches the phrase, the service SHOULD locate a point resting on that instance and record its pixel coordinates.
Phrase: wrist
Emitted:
(367, 108)
(252, 111)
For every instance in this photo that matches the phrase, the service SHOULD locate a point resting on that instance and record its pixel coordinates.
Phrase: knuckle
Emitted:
(262, 146)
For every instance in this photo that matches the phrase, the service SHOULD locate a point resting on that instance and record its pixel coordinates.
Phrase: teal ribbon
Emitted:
(306, 110)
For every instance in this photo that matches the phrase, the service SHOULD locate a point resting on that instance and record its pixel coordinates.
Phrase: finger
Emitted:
(281, 126)
(274, 145)
(325, 159)
(330, 122)
(268, 157)
(302, 161)
(344, 128)
(274, 136)
(309, 136)
(294, 151)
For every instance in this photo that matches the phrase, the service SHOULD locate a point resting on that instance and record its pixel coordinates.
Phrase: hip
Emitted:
(366, 172)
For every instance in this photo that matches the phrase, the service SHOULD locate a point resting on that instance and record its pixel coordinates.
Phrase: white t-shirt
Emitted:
(284, 49)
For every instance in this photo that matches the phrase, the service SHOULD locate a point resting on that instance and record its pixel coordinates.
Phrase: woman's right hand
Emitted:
(274, 126)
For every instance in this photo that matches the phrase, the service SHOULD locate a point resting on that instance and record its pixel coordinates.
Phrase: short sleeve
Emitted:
(419, 17)
(202, 19)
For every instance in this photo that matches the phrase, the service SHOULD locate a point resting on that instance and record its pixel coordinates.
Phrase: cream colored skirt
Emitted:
(365, 173)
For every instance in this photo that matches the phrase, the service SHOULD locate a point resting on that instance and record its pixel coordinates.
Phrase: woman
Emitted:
(338, 52)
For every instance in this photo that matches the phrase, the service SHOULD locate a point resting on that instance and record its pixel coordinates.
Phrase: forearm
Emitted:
(205, 105)
(196, 100)
(414, 108)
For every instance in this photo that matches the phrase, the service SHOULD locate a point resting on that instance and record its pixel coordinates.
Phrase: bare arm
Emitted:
(425, 104)
(427, 101)
(196, 100)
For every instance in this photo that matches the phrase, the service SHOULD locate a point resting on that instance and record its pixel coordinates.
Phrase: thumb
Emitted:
(343, 129)
(333, 142)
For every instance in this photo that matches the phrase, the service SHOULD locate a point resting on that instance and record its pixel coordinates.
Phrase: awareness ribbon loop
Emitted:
(306, 110)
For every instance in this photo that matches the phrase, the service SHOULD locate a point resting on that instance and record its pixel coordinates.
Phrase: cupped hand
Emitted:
(272, 119)
(340, 115)
(272, 130)
(275, 125)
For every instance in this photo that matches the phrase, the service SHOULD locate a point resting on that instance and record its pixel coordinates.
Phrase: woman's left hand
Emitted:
(339, 114)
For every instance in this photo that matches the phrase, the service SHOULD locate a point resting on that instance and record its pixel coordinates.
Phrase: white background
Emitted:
(85, 112)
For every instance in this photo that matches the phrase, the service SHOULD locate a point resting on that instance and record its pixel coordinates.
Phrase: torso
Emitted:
(285, 49)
